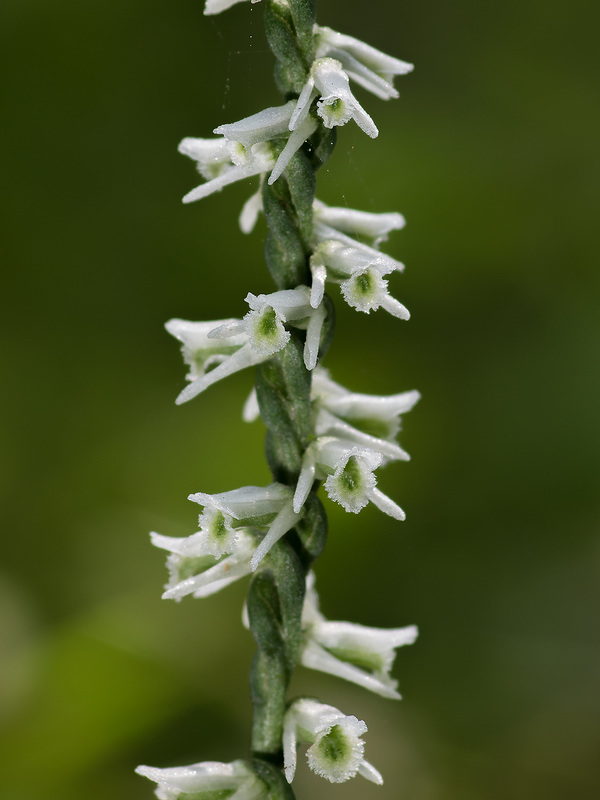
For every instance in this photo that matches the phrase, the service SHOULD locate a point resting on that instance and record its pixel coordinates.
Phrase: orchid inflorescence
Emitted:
(318, 432)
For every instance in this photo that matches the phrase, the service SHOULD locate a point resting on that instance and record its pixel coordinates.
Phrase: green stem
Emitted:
(283, 387)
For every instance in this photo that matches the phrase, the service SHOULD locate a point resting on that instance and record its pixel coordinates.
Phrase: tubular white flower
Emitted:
(208, 776)
(357, 223)
(337, 105)
(211, 359)
(336, 749)
(264, 323)
(220, 171)
(369, 420)
(349, 472)
(359, 270)
(357, 653)
(369, 67)
(267, 507)
(272, 123)
(194, 570)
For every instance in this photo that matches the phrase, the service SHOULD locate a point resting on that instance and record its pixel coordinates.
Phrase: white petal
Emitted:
(267, 124)
(231, 175)
(246, 502)
(211, 580)
(313, 337)
(173, 544)
(296, 139)
(373, 58)
(303, 104)
(282, 523)
(250, 211)
(242, 358)
(395, 308)
(251, 411)
(368, 405)
(359, 223)
(316, 657)
(216, 6)
(234, 327)
(289, 745)
(386, 505)
(327, 424)
(365, 77)
(369, 772)
(319, 274)
(305, 479)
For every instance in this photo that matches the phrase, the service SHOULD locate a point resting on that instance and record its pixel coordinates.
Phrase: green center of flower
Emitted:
(219, 526)
(363, 284)
(334, 746)
(351, 478)
(267, 324)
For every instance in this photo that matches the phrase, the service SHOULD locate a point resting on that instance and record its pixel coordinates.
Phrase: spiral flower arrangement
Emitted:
(318, 432)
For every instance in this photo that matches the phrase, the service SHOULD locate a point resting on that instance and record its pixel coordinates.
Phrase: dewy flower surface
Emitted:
(336, 749)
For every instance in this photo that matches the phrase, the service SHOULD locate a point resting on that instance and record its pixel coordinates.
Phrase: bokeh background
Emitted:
(492, 155)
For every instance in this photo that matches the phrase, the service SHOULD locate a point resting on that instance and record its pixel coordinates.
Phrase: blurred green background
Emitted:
(492, 155)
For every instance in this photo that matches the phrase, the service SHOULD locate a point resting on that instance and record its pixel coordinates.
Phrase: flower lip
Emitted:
(336, 749)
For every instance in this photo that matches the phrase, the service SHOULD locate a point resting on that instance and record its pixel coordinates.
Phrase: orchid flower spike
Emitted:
(348, 471)
(195, 569)
(337, 105)
(369, 67)
(336, 749)
(356, 653)
(264, 323)
(369, 420)
(211, 359)
(267, 507)
(213, 778)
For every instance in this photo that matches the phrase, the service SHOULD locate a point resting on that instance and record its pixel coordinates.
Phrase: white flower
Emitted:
(359, 271)
(369, 67)
(337, 105)
(194, 569)
(244, 149)
(332, 220)
(222, 162)
(272, 123)
(261, 507)
(211, 359)
(264, 323)
(367, 419)
(349, 473)
(357, 653)
(336, 749)
(235, 780)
